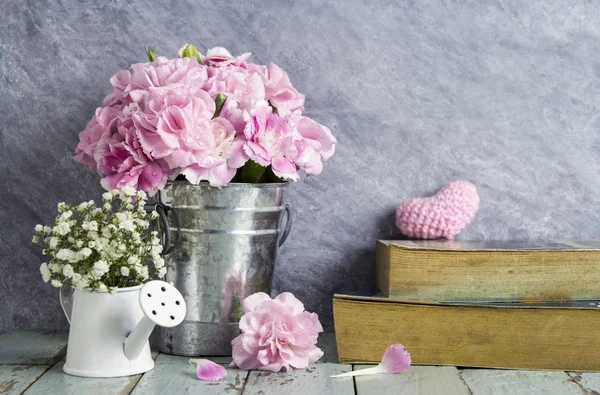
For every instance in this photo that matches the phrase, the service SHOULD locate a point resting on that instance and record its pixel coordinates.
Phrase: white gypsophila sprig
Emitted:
(101, 247)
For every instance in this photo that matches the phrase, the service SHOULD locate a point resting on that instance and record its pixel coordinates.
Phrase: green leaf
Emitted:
(251, 172)
(219, 101)
(189, 51)
(151, 52)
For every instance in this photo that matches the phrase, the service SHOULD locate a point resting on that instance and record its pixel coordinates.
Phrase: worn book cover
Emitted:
(545, 335)
(489, 270)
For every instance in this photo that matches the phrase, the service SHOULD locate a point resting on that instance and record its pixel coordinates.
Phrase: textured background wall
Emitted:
(419, 93)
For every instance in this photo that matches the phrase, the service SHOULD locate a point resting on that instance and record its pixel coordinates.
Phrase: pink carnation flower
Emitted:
(97, 127)
(226, 155)
(174, 125)
(277, 334)
(320, 145)
(271, 140)
(165, 73)
(122, 162)
(280, 92)
(119, 95)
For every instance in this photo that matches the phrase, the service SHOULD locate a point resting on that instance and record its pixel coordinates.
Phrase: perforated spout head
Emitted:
(163, 305)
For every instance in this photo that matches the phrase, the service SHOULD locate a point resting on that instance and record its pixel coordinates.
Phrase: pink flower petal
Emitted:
(208, 370)
(395, 359)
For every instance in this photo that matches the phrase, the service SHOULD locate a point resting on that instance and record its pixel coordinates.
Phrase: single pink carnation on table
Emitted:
(277, 334)
(98, 126)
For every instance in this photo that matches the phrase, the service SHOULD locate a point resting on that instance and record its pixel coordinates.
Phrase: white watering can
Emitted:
(109, 331)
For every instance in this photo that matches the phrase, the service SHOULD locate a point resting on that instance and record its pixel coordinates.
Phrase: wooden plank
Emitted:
(55, 381)
(417, 380)
(504, 382)
(589, 382)
(14, 379)
(174, 359)
(173, 375)
(32, 348)
(312, 380)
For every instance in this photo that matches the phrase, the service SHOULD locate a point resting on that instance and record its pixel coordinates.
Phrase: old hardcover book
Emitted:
(560, 335)
(489, 271)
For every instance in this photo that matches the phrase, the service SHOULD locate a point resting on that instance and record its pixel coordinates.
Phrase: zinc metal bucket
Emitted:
(220, 247)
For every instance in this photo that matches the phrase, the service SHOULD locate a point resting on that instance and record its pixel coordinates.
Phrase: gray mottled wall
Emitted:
(419, 93)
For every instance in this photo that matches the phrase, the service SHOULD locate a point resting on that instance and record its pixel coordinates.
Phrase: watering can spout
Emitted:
(162, 305)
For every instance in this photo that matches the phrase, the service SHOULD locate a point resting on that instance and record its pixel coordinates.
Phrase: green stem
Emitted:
(252, 172)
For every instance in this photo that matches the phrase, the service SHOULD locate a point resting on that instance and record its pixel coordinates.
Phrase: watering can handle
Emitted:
(65, 295)
(288, 224)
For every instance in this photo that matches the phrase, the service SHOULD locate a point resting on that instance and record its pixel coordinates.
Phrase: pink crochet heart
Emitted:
(444, 214)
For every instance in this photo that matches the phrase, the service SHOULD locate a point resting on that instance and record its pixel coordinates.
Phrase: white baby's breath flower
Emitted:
(133, 260)
(96, 211)
(35, 239)
(122, 247)
(64, 254)
(127, 225)
(143, 272)
(115, 192)
(92, 235)
(93, 225)
(62, 229)
(106, 231)
(45, 271)
(107, 206)
(162, 271)
(102, 287)
(124, 271)
(156, 250)
(53, 243)
(100, 268)
(128, 190)
(85, 252)
(136, 237)
(56, 283)
(82, 206)
(107, 196)
(39, 228)
(154, 215)
(67, 271)
(142, 194)
(85, 225)
(66, 215)
(79, 243)
(62, 207)
(91, 244)
(55, 267)
(71, 239)
(159, 262)
(47, 230)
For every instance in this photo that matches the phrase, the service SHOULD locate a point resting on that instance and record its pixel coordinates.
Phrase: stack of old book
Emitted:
(489, 304)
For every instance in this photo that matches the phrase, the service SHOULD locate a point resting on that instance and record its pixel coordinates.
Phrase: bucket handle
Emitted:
(163, 211)
(65, 296)
(288, 224)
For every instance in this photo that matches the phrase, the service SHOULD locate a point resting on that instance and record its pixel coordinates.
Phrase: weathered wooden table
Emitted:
(31, 363)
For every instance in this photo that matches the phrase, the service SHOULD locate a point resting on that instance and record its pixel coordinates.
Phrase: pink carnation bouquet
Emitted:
(213, 118)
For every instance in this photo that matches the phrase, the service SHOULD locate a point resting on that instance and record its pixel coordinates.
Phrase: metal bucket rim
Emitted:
(235, 184)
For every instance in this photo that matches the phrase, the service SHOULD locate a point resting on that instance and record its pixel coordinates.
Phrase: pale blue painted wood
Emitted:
(315, 379)
(174, 375)
(417, 380)
(14, 379)
(510, 382)
(55, 381)
(32, 348)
